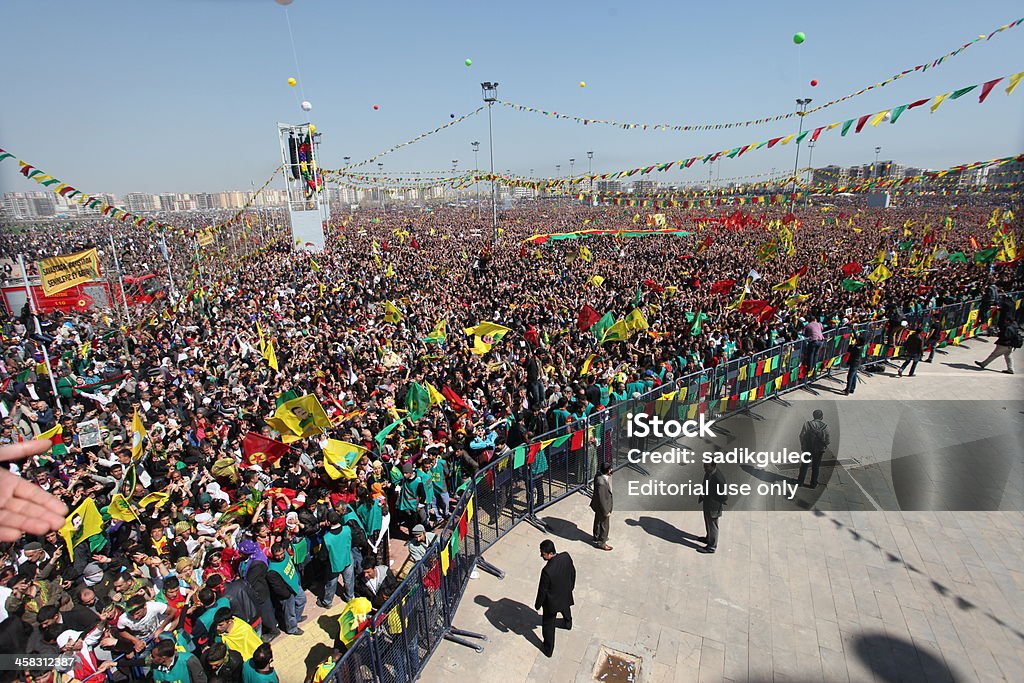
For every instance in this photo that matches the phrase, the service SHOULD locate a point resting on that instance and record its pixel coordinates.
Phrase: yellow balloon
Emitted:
(312, 129)
(292, 82)
(583, 84)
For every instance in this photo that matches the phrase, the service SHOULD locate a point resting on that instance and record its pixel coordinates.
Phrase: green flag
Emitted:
(417, 401)
(518, 457)
(696, 321)
(958, 257)
(853, 285)
(383, 434)
(602, 326)
(286, 396)
(985, 255)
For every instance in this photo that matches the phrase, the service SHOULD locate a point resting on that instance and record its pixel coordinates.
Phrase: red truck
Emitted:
(138, 289)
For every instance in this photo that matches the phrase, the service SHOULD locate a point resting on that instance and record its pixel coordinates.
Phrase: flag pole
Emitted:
(120, 280)
(39, 330)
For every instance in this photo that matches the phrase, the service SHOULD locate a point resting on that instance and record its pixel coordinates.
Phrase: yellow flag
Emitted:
(1014, 80)
(596, 280)
(52, 432)
(586, 254)
(788, 285)
(939, 100)
(480, 347)
(299, 418)
(138, 434)
(436, 397)
(391, 312)
(83, 522)
(340, 458)
(488, 329)
(635, 321)
(270, 355)
(157, 497)
(121, 508)
(880, 274)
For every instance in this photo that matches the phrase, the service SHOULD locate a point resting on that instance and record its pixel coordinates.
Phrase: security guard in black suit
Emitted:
(554, 595)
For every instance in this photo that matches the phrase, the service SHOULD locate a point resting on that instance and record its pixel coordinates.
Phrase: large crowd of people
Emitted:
(185, 556)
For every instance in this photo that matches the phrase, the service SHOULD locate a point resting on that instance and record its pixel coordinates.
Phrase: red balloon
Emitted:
(376, 107)
(814, 84)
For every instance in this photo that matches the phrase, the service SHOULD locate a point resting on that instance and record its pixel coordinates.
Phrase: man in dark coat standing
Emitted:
(713, 499)
(554, 595)
(601, 504)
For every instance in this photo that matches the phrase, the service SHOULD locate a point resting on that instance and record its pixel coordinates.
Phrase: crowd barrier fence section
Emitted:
(406, 630)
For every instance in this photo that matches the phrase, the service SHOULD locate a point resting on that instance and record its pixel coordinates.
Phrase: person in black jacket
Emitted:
(601, 504)
(913, 350)
(220, 661)
(713, 499)
(1008, 341)
(853, 362)
(554, 594)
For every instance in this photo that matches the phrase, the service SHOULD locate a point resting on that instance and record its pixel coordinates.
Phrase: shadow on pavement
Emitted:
(659, 528)
(563, 528)
(896, 660)
(509, 616)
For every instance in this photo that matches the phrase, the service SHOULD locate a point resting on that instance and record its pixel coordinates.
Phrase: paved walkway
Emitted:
(818, 595)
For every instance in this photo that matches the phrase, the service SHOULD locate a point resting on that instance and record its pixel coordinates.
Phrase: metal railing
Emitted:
(404, 633)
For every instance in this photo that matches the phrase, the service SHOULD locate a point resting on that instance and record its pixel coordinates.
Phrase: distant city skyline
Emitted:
(43, 204)
(159, 114)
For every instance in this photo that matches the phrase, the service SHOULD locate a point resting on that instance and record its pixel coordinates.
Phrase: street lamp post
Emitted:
(801, 105)
(490, 94)
(590, 171)
(380, 169)
(874, 174)
(810, 160)
(347, 159)
(476, 169)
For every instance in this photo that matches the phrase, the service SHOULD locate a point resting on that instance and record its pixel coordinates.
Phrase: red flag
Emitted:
(788, 218)
(653, 286)
(987, 88)
(767, 313)
(531, 335)
(531, 454)
(463, 526)
(800, 272)
(384, 245)
(414, 244)
(852, 268)
(576, 442)
(586, 318)
(708, 241)
(259, 450)
(753, 306)
(722, 286)
(454, 398)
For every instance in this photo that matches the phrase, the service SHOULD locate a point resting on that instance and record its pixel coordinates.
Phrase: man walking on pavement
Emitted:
(814, 439)
(601, 504)
(1008, 341)
(713, 499)
(554, 594)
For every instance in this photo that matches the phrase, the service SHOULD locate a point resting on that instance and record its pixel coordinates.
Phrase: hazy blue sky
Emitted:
(183, 95)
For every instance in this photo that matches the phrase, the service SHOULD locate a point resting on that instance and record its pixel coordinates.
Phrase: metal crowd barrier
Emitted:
(404, 633)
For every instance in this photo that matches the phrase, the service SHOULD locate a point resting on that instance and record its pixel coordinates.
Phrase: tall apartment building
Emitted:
(609, 186)
(644, 187)
(138, 202)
